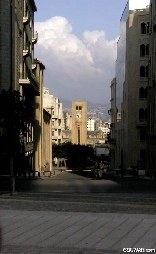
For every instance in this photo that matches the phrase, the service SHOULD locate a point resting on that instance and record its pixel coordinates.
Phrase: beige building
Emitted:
(66, 136)
(51, 102)
(42, 127)
(129, 112)
(95, 137)
(79, 122)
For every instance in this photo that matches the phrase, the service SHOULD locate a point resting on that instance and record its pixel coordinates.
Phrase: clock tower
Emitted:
(79, 122)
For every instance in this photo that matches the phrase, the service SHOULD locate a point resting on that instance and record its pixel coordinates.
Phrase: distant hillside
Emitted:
(94, 109)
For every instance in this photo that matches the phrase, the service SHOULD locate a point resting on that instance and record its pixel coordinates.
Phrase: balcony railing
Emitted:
(141, 123)
(25, 52)
(35, 38)
(31, 82)
(25, 20)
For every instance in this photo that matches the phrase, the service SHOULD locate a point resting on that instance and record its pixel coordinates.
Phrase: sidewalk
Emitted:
(75, 233)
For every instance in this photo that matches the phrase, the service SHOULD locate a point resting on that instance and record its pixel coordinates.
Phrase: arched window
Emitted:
(143, 134)
(146, 90)
(141, 114)
(147, 49)
(143, 28)
(147, 27)
(142, 50)
(141, 92)
(147, 71)
(146, 114)
(142, 71)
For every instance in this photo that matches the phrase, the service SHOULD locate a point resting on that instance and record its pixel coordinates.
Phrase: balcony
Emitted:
(141, 123)
(25, 20)
(55, 137)
(55, 116)
(30, 84)
(35, 38)
(25, 52)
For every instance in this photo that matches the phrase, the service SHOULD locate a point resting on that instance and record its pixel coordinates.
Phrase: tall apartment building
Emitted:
(17, 65)
(91, 124)
(49, 101)
(79, 122)
(151, 141)
(130, 128)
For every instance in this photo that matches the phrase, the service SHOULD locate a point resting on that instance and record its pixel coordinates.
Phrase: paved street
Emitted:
(63, 232)
(71, 213)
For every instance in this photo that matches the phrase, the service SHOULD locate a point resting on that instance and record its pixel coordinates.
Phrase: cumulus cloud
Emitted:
(75, 69)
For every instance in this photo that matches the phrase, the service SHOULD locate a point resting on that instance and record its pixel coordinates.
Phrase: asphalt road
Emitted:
(81, 193)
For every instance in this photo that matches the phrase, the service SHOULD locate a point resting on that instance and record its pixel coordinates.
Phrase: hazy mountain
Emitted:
(94, 109)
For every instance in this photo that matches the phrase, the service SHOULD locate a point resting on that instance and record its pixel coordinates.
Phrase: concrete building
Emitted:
(42, 127)
(95, 137)
(131, 86)
(51, 102)
(67, 121)
(66, 136)
(91, 124)
(113, 113)
(151, 141)
(79, 122)
(17, 39)
(105, 128)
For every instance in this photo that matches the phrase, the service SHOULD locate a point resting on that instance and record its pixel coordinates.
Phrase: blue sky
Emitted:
(84, 14)
(77, 44)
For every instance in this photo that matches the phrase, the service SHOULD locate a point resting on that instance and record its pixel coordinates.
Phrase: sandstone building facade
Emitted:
(129, 89)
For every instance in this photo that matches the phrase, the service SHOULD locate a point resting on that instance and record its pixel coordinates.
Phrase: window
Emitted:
(147, 27)
(142, 50)
(142, 154)
(147, 71)
(143, 28)
(141, 93)
(141, 114)
(78, 107)
(146, 114)
(142, 71)
(147, 49)
(143, 134)
(146, 90)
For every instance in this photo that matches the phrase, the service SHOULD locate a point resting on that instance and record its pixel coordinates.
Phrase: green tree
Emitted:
(15, 114)
(76, 155)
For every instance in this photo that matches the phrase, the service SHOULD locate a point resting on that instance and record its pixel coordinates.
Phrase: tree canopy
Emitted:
(15, 114)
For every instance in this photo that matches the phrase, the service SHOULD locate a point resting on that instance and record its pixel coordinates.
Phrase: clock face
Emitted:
(78, 116)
